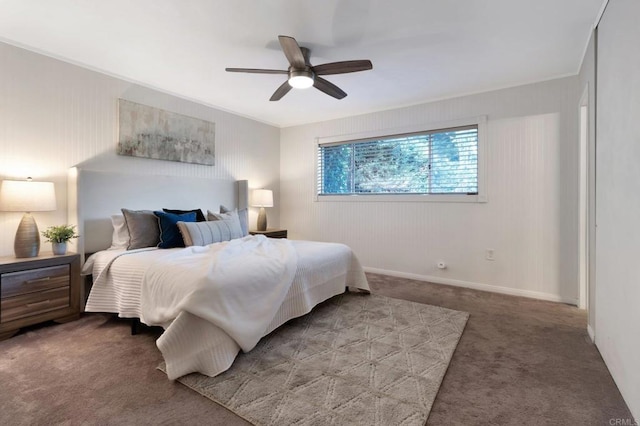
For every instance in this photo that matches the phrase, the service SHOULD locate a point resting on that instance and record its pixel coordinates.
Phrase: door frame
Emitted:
(584, 193)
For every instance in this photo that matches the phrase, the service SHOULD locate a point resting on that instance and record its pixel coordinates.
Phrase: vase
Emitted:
(59, 248)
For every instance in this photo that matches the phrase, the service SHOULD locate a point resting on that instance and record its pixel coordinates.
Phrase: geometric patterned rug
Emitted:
(356, 359)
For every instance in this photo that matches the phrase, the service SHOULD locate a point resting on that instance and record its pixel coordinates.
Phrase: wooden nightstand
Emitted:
(38, 289)
(271, 233)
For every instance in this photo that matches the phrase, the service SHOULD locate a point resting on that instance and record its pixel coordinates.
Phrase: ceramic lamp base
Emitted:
(27, 242)
(262, 220)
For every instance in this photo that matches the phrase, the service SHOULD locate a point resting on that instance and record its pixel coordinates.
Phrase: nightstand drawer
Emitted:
(38, 289)
(36, 280)
(14, 308)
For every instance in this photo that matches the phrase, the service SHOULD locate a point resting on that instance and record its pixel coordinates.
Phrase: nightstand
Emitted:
(271, 233)
(38, 289)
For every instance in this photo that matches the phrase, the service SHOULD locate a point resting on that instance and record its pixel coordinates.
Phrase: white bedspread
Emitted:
(193, 344)
(215, 283)
(117, 289)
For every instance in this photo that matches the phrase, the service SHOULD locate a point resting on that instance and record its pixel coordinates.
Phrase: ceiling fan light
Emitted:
(300, 79)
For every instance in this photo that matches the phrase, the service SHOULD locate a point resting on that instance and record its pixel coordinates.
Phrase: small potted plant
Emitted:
(58, 236)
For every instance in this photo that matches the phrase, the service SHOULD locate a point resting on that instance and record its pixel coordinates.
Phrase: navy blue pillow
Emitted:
(169, 233)
(199, 215)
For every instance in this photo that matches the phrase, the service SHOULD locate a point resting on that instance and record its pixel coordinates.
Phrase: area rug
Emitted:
(356, 359)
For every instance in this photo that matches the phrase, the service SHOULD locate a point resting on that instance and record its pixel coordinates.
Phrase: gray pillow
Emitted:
(204, 233)
(143, 227)
(225, 213)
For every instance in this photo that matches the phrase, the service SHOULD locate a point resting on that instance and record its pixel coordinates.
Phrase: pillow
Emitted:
(204, 233)
(143, 228)
(225, 213)
(120, 237)
(199, 215)
(169, 233)
(243, 215)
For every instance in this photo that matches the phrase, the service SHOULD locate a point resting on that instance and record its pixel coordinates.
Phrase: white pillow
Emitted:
(204, 233)
(120, 238)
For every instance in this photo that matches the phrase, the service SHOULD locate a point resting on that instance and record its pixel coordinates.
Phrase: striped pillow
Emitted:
(225, 213)
(204, 233)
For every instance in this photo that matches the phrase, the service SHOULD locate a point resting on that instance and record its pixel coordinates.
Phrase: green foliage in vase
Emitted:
(60, 233)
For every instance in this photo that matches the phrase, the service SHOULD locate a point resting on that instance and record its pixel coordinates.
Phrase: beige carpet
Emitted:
(355, 359)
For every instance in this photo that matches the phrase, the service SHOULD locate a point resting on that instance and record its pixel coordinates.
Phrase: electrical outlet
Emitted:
(490, 254)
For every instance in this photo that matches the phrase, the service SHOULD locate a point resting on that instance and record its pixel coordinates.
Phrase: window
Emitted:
(439, 162)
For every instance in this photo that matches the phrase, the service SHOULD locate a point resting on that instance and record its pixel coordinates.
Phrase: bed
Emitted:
(212, 300)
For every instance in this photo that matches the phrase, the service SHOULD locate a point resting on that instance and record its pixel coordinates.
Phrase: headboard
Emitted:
(93, 196)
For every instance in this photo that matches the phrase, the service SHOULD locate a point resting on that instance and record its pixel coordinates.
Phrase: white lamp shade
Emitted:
(27, 196)
(262, 198)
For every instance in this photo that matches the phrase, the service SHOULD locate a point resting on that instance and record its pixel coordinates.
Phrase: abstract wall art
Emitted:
(150, 132)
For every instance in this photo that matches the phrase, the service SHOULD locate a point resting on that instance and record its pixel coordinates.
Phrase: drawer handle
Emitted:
(33, 305)
(39, 280)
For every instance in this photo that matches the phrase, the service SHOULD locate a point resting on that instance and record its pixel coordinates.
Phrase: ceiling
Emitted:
(421, 50)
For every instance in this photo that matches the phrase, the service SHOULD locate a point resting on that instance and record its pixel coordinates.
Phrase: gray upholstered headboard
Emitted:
(93, 196)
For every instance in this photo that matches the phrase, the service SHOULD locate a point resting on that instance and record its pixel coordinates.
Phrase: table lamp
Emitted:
(262, 198)
(27, 196)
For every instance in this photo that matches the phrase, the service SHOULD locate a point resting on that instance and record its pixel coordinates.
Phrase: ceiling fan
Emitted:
(303, 75)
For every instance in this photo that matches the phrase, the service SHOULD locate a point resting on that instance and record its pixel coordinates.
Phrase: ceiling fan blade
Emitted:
(343, 67)
(328, 88)
(292, 51)
(256, 71)
(281, 91)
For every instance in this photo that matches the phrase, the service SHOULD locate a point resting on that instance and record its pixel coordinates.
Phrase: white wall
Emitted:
(54, 115)
(618, 197)
(529, 220)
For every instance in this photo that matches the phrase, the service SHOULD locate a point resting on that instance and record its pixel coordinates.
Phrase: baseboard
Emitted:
(592, 333)
(476, 286)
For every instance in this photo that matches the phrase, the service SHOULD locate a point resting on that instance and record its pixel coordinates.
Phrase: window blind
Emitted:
(435, 162)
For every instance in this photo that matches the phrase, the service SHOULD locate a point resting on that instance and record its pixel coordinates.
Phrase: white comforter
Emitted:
(214, 283)
(191, 343)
